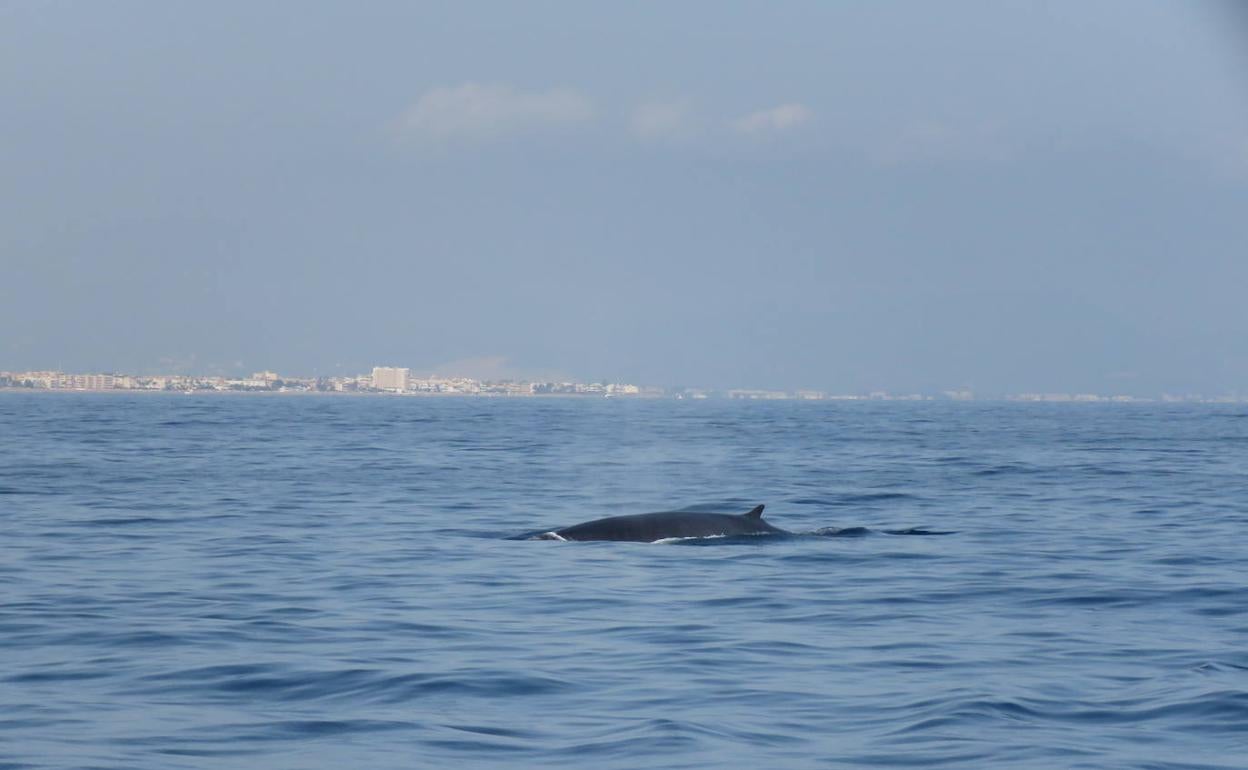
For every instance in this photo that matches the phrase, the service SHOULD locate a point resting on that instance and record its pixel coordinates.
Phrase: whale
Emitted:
(686, 525)
(663, 525)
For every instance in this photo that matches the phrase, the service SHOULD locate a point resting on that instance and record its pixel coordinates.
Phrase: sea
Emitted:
(269, 581)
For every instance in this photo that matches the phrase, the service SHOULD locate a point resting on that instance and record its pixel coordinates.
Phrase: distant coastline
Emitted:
(297, 393)
(394, 381)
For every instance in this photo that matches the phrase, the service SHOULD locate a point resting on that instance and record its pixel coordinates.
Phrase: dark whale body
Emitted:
(649, 527)
(671, 525)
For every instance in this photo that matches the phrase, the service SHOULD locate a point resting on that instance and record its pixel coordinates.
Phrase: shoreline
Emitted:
(631, 397)
(333, 393)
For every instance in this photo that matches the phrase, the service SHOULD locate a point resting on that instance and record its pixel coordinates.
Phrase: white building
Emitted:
(389, 378)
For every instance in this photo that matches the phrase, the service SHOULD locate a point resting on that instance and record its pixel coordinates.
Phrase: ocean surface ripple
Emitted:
(325, 582)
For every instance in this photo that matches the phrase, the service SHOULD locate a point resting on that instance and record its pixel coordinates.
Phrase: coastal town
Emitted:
(390, 380)
(382, 380)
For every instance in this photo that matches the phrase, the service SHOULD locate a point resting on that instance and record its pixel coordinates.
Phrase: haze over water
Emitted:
(322, 582)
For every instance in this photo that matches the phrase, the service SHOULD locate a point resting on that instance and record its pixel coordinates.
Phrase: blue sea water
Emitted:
(324, 582)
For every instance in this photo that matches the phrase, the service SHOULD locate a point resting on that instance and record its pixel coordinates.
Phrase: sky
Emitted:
(1004, 196)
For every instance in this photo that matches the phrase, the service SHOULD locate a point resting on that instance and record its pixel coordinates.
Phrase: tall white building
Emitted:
(389, 378)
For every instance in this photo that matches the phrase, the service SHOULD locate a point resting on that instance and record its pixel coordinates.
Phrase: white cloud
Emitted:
(661, 120)
(476, 110)
(780, 118)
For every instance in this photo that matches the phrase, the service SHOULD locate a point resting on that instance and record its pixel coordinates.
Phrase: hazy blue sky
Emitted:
(847, 196)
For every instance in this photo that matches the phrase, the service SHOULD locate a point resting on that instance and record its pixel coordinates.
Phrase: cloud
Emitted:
(476, 110)
(661, 120)
(781, 118)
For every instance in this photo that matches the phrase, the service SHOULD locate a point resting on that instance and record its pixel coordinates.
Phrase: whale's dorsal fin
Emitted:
(755, 513)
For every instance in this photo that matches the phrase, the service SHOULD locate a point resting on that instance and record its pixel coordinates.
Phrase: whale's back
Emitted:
(649, 527)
